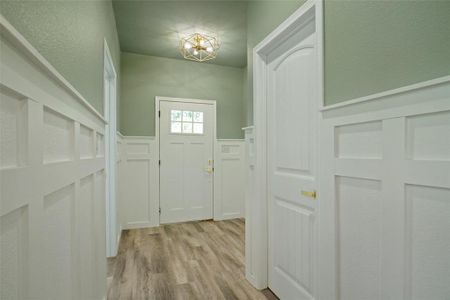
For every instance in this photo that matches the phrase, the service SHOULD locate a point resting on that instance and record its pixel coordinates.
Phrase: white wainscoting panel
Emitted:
(87, 147)
(359, 141)
(138, 182)
(14, 246)
(52, 186)
(100, 145)
(359, 222)
(385, 196)
(13, 119)
(428, 137)
(229, 179)
(59, 137)
(250, 227)
(120, 148)
(427, 242)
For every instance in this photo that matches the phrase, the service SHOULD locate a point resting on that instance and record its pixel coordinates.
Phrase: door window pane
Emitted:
(186, 122)
(175, 115)
(187, 127)
(175, 127)
(198, 128)
(187, 116)
(198, 117)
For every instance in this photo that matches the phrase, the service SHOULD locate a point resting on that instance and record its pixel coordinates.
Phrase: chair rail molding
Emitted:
(52, 161)
(16, 39)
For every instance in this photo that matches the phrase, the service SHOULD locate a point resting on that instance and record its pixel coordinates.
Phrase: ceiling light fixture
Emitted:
(199, 47)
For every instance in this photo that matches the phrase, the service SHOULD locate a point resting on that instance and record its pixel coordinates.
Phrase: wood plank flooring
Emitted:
(194, 260)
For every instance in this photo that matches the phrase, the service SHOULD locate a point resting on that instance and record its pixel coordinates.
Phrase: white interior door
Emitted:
(292, 117)
(186, 134)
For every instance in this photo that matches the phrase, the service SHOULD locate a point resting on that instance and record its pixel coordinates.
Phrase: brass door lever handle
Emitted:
(311, 194)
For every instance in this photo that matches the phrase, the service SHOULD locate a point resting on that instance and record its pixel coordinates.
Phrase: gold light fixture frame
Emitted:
(199, 47)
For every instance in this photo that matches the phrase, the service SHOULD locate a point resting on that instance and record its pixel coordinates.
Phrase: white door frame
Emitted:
(158, 99)
(259, 203)
(112, 230)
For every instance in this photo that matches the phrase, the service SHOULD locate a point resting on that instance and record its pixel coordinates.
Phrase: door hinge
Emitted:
(159, 163)
(159, 114)
(160, 210)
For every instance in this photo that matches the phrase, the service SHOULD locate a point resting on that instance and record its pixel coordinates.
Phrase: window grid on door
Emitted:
(186, 122)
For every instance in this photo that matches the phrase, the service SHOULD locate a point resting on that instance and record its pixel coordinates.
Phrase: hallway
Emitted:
(226, 149)
(194, 260)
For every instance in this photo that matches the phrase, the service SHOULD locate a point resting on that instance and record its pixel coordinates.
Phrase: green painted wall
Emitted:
(370, 46)
(69, 34)
(144, 77)
(373, 46)
(263, 18)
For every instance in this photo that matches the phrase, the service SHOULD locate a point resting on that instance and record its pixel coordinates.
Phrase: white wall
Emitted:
(52, 205)
(138, 181)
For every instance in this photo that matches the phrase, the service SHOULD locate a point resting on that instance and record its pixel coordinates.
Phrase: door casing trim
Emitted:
(113, 225)
(158, 100)
(259, 204)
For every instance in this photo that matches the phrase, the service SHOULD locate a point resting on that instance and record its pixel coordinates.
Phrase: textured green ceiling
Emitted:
(155, 27)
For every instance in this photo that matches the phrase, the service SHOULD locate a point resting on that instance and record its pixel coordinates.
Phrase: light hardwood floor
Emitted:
(194, 260)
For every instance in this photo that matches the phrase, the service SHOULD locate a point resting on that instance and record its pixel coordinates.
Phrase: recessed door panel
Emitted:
(291, 87)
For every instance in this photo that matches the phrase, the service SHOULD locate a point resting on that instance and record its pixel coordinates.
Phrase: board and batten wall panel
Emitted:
(138, 181)
(229, 179)
(52, 194)
(385, 195)
(251, 229)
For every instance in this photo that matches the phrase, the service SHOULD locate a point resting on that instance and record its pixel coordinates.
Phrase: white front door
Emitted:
(186, 134)
(292, 168)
